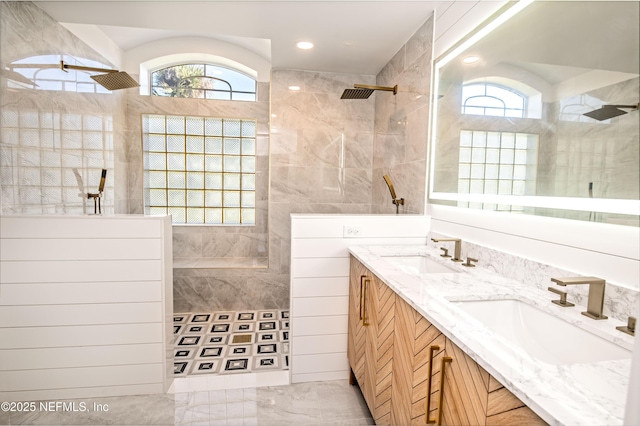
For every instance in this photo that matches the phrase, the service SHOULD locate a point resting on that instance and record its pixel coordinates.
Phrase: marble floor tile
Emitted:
(319, 403)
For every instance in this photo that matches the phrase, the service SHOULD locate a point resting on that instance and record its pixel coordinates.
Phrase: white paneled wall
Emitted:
(86, 306)
(320, 284)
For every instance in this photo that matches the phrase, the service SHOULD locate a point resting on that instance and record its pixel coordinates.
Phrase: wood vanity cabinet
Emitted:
(398, 378)
(370, 343)
(470, 395)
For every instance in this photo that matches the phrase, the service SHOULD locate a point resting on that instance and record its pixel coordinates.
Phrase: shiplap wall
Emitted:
(320, 284)
(86, 306)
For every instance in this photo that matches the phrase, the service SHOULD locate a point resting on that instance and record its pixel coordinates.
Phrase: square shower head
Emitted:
(605, 113)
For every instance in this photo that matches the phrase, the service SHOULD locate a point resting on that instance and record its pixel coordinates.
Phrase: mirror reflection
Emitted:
(546, 105)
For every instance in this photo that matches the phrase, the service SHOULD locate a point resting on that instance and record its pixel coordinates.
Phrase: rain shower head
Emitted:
(111, 80)
(361, 91)
(610, 111)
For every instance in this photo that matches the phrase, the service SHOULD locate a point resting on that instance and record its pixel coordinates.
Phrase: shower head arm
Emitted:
(65, 67)
(393, 89)
(622, 106)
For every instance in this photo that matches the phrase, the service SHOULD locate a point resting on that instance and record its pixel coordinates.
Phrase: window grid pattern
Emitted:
(49, 160)
(495, 163)
(492, 100)
(202, 81)
(200, 170)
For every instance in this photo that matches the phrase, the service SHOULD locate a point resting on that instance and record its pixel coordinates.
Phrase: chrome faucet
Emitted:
(457, 249)
(595, 303)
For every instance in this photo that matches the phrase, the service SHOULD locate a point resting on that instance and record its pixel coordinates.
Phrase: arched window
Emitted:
(203, 81)
(492, 100)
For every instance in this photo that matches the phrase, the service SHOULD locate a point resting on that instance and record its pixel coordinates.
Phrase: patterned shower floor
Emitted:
(230, 342)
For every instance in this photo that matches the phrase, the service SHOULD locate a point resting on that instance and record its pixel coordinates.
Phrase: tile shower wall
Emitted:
(55, 138)
(205, 246)
(401, 125)
(321, 151)
(582, 150)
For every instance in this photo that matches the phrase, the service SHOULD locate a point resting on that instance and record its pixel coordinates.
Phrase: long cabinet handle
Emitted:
(365, 319)
(445, 360)
(362, 277)
(427, 420)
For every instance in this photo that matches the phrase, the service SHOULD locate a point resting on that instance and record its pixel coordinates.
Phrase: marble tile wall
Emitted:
(316, 155)
(321, 151)
(401, 125)
(620, 302)
(196, 243)
(49, 130)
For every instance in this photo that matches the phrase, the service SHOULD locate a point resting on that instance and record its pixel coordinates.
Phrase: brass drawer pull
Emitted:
(365, 319)
(427, 420)
(362, 277)
(445, 360)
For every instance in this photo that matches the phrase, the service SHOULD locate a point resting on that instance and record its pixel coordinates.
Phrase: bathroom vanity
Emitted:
(86, 306)
(433, 341)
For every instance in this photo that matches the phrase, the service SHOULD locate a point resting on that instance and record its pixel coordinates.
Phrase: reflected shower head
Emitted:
(361, 91)
(111, 80)
(610, 111)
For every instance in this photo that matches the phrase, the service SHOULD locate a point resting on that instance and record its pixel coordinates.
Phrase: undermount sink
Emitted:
(544, 336)
(418, 265)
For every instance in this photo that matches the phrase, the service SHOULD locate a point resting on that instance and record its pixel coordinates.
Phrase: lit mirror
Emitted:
(540, 116)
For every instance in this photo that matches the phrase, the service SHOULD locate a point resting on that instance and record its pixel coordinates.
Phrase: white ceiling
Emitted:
(357, 37)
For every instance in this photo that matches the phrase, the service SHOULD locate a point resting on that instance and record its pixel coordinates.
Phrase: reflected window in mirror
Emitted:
(587, 168)
(492, 100)
(501, 163)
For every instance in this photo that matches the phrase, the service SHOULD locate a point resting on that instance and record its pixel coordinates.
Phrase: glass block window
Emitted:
(203, 81)
(492, 100)
(497, 163)
(49, 160)
(200, 170)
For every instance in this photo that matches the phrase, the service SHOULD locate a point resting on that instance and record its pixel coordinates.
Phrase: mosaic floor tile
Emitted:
(205, 366)
(237, 365)
(266, 363)
(230, 342)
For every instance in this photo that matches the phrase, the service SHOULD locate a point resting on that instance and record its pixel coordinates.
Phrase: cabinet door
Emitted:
(379, 313)
(414, 362)
(370, 344)
(472, 396)
(464, 395)
(356, 332)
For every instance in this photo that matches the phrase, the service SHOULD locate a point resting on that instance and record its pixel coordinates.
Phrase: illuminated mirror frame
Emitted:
(599, 205)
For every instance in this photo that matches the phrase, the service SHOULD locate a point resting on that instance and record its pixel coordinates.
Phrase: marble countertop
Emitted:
(568, 394)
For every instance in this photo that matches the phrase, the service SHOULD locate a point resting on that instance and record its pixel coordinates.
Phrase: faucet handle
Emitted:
(468, 262)
(630, 328)
(563, 298)
(446, 252)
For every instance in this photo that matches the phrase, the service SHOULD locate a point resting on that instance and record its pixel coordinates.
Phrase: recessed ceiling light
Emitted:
(471, 59)
(294, 87)
(304, 45)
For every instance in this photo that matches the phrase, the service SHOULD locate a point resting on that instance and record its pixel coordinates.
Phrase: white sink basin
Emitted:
(542, 335)
(417, 265)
